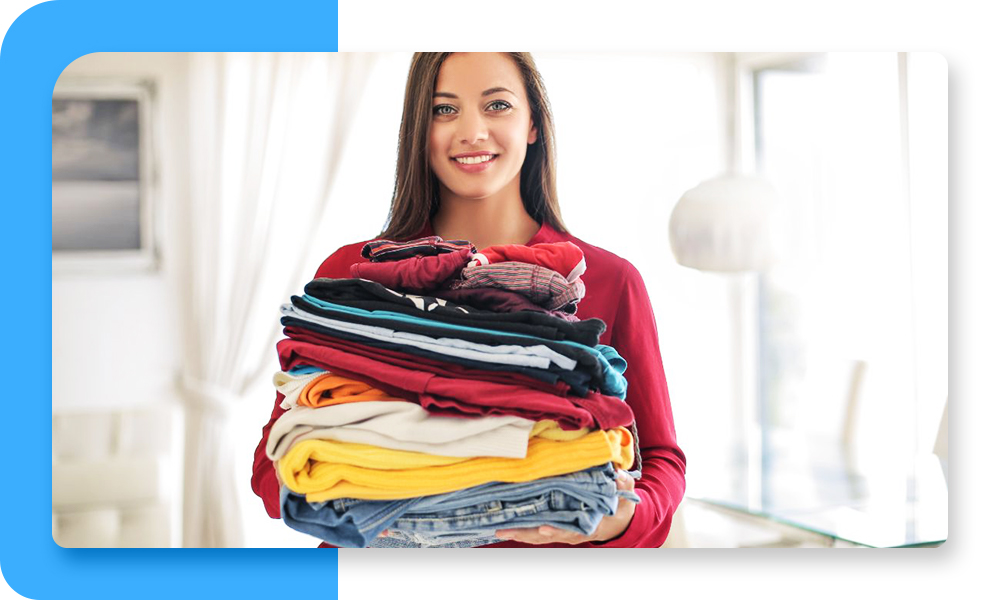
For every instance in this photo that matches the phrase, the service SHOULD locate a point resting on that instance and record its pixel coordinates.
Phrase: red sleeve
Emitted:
(662, 484)
(264, 480)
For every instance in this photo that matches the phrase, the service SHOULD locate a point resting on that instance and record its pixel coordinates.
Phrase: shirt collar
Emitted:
(545, 234)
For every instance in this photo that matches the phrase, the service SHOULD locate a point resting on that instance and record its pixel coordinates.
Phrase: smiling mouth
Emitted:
(475, 160)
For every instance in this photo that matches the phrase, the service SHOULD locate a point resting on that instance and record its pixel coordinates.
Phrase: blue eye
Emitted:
(498, 105)
(444, 109)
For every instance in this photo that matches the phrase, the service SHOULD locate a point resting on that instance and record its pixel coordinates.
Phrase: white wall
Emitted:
(114, 341)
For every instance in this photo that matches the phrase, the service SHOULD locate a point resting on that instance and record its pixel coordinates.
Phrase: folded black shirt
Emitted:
(369, 295)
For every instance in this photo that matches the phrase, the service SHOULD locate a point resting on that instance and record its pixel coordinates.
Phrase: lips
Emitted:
(474, 162)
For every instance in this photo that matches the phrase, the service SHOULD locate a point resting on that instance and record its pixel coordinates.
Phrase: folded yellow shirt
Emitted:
(324, 470)
(550, 430)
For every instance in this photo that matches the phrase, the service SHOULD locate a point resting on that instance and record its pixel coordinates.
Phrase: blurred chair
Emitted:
(115, 478)
(848, 434)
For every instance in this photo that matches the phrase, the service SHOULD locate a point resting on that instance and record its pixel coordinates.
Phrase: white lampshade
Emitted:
(726, 224)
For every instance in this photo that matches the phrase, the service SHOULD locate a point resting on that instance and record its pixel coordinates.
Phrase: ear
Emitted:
(532, 133)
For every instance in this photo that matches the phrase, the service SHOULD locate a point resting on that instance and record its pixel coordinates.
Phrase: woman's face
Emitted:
(481, 125)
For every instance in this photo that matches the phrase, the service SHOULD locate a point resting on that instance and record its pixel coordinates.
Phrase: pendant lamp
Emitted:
(726, 224)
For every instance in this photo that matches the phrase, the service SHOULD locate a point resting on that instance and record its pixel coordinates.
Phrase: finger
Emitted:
(534, 540)
(509, 534)
(561, 536)
(547, 532)
(524, 537)
(624, 481)
(540, 535)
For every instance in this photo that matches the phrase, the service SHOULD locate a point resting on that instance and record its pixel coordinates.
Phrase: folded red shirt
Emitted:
(438, 367)
(450, 395)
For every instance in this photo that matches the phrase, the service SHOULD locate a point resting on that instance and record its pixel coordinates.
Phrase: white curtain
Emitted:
(267, 132)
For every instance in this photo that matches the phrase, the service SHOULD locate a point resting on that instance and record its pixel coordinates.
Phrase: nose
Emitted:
(472, 128)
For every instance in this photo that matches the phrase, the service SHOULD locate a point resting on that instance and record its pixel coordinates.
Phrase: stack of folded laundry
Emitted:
(442, 394)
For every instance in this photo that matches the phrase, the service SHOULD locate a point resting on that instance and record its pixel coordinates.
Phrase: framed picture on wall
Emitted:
(102, 176)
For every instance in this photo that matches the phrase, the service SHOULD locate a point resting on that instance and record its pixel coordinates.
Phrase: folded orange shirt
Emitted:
(329, 389)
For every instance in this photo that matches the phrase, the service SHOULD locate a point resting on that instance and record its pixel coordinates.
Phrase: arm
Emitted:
(264, 480)
(663, 463)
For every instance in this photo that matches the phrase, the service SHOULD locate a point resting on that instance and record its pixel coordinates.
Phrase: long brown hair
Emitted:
(416, 195)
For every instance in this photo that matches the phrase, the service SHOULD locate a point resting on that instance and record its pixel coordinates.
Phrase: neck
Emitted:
(497, 220)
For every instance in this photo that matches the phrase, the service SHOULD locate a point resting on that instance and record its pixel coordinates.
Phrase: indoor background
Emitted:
(809, 391)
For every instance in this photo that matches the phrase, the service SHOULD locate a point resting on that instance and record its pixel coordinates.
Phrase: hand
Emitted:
(609, 528)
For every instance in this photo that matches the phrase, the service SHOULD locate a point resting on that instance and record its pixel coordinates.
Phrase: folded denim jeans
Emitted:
(577, 502)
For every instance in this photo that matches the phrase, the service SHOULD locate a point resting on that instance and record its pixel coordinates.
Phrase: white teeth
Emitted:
(474, 160)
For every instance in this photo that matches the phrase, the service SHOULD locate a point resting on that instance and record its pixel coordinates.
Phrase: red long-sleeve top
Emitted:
(617, 295)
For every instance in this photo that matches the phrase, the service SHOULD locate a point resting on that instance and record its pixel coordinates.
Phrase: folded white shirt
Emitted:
(291, 386)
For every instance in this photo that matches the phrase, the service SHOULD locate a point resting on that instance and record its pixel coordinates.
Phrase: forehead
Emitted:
(471, 73)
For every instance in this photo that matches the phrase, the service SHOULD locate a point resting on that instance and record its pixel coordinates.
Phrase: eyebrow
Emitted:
(488, 92)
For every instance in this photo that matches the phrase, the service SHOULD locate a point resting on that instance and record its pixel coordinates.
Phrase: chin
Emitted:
(473, 194)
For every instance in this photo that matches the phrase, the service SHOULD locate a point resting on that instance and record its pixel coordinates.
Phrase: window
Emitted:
(853, 322)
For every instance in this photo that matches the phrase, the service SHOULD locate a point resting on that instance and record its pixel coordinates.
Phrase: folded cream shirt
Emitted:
(401, 425)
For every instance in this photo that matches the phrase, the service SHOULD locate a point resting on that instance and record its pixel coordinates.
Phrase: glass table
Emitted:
(820, 487)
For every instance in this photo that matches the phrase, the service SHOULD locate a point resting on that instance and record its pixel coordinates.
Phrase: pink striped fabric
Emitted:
(542, 286)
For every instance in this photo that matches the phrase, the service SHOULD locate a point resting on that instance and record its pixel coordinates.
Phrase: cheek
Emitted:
(437, 143)
(515, 137)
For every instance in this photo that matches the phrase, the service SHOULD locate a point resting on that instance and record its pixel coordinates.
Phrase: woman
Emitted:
(476, 162)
